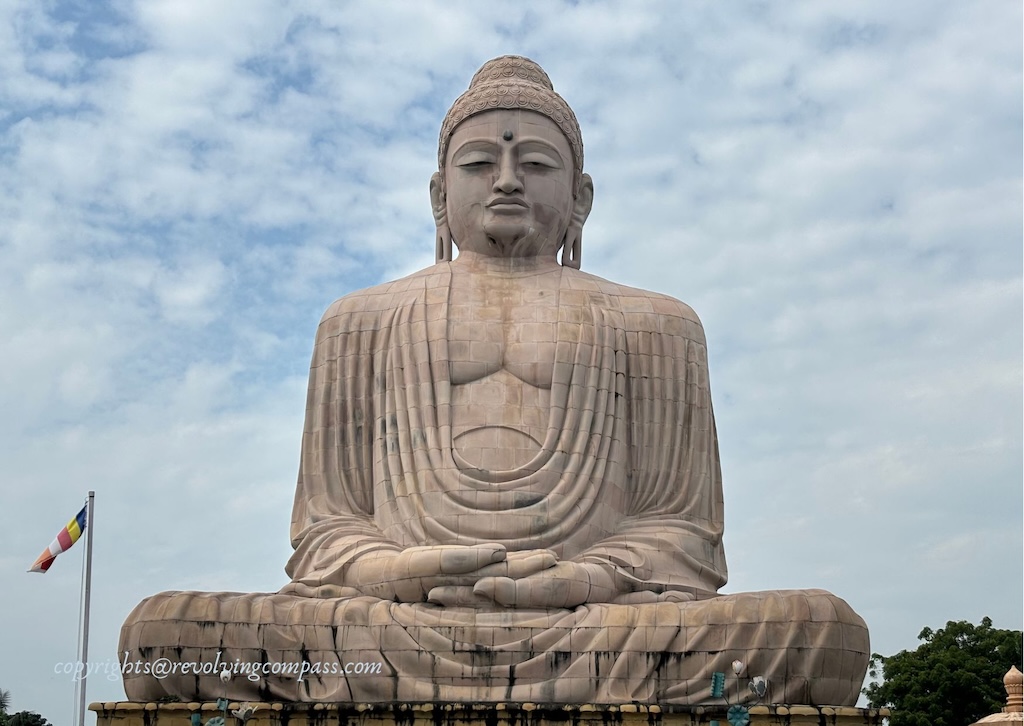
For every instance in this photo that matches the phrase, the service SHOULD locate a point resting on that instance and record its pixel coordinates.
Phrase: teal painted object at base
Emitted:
(717, 684)
(738, 715)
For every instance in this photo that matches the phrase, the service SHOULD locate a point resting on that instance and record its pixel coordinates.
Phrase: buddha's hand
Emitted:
(461, 591)
(414, 574)
(563, 585)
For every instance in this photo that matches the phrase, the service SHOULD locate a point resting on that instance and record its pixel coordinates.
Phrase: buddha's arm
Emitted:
(332, 520)
(672, 538)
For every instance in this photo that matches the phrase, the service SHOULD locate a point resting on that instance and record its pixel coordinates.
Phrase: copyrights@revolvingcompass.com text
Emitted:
(165, 667)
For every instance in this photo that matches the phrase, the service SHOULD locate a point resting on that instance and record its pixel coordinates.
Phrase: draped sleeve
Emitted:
(671, 535)
(333, 517)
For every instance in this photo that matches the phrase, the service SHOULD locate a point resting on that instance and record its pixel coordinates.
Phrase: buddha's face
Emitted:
(508, 183)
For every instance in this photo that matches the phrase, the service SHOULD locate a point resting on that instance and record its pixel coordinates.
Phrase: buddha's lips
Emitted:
(507, 201)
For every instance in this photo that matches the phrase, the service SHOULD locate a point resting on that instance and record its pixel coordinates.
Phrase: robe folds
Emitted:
(627, 476)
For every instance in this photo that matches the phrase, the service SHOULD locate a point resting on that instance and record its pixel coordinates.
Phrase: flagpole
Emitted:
(84, 660)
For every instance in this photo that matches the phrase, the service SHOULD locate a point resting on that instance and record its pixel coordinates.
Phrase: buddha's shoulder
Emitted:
(642, 310)
(370, 302)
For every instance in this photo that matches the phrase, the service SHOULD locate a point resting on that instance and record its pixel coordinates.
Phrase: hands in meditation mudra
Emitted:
(509, 486)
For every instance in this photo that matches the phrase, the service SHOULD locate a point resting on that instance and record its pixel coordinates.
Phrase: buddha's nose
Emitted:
(508, 176)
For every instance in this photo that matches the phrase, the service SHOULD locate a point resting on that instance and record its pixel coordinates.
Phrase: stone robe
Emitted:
(627, 475)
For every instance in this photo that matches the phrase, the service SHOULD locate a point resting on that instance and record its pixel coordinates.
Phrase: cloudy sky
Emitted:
(186, 185)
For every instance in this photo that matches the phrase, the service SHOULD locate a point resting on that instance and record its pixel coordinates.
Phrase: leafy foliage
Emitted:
(27, 718)
(21, 718)
(954, 678)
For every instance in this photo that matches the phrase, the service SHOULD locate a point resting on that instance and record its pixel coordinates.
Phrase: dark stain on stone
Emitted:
(521, 500)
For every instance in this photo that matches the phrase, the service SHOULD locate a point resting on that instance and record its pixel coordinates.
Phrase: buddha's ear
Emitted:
(439, 207)
(572, 247)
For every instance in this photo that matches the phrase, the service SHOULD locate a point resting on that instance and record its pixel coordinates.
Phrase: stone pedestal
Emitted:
(501, 714)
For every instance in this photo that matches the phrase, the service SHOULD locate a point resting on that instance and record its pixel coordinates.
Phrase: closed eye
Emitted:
(537, 160)
(474, 159)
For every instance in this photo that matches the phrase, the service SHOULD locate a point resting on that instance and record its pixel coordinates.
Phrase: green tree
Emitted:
(954, 678)
(5, 703)
(27, 718)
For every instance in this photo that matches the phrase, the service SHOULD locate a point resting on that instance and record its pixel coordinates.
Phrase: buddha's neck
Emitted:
(489, 264)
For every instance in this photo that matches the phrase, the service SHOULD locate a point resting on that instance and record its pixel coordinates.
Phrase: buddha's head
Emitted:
(510, 179)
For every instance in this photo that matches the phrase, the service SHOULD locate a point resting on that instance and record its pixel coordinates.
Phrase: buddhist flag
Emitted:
(65, 538)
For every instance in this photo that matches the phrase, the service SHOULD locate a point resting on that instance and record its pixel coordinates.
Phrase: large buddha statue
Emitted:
(509, 486)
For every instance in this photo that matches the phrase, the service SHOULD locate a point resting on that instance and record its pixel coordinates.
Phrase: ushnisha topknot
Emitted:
(514, 82)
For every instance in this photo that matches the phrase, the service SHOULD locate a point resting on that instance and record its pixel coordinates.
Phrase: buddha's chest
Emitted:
(500, 324)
